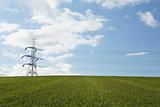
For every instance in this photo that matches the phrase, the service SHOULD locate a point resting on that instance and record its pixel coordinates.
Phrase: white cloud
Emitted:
(127, 16)
(3, 3)
(60, 36)
(110, 28)
(18, 70)
(45, 11)
(112, 4)
(8, 27)
(148, 18)
(64, 56)
(12, 70)
(60, 58)
(12, 55)
(137, 53)
(12, 10)
(59, 69)
(60, 32)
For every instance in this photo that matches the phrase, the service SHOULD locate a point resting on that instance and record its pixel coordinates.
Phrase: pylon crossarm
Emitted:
(34, 48)
(32, 57)
(30, 64)
(30, 48)
(26, 56)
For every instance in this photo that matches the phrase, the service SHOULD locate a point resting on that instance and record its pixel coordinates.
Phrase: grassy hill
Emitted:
(79, 91)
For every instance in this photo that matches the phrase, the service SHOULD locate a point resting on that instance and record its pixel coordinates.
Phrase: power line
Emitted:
(117, 52)
(109, 61)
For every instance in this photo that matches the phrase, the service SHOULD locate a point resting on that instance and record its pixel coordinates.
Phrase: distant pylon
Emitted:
(32, 66)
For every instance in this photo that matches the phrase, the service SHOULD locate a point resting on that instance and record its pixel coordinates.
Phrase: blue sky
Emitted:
(86, 37)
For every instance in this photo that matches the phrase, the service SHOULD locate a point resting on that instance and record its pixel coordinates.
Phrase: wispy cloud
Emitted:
(11, 70)
(8, 27)
(148, 18)
(3, 3)
(127, 16)
(12, 10)
(112, 4)
(12, 55)
(137, 53)
(110, 28)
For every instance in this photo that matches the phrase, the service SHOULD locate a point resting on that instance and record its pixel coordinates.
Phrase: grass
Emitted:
(79, 91)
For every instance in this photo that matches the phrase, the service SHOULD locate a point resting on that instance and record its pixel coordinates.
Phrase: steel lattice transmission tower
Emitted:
(32, 66)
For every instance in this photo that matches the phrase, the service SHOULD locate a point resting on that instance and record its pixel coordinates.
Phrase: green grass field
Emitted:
(76, 91)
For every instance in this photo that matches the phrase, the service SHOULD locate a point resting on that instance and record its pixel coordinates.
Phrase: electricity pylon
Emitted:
(32, 66)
